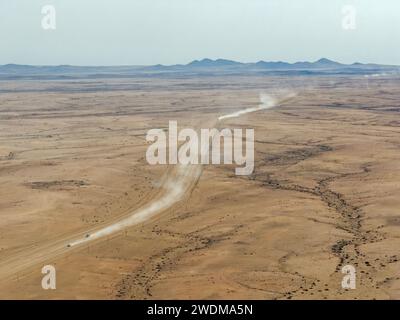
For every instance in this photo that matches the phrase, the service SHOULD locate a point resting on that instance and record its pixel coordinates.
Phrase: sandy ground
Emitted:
(324, 192)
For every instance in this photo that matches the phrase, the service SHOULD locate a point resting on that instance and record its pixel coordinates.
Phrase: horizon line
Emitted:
(195, 60)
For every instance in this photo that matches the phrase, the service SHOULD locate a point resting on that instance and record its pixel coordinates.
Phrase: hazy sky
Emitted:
(129, 32)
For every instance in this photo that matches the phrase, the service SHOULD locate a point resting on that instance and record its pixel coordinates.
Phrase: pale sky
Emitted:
(144, 32)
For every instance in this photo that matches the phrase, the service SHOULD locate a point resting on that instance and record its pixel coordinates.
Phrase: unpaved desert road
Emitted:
(176, 184)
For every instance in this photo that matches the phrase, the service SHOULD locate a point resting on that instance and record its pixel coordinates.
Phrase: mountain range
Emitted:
(197, 67)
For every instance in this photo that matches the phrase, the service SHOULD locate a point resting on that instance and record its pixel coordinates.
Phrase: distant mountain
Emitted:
(323, 62)
(321, 66)
(208, 63)
(205, 66)
(213, 63)
(272, 65)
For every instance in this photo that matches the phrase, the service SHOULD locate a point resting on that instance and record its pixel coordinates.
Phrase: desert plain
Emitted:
(323, 194)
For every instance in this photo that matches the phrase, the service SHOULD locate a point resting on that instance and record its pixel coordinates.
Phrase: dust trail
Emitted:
(175, 186)
(267, 102)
